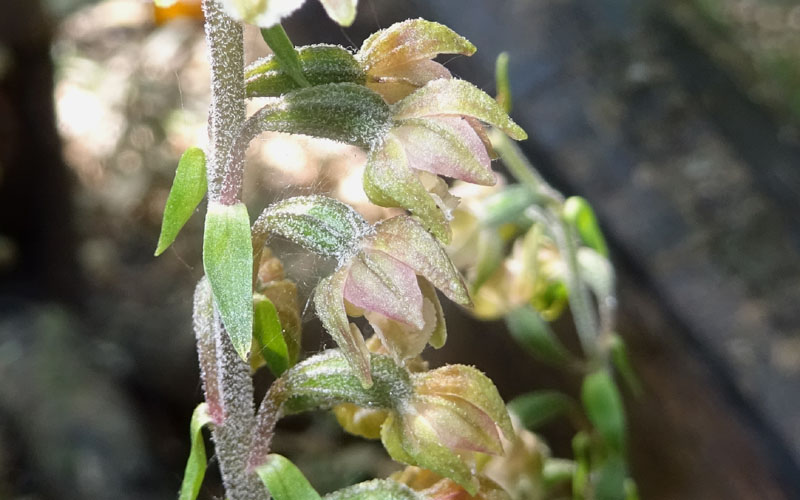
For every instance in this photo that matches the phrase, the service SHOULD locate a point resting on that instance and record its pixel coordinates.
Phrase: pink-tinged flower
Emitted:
(453, 413)
(389, 276)
(432, 486)
(435, 130)
(266, 13)
(399, 59)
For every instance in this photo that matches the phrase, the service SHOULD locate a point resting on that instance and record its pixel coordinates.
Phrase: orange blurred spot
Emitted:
(180, 9)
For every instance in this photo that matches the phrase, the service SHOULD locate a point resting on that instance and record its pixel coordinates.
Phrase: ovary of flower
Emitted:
(388, 279)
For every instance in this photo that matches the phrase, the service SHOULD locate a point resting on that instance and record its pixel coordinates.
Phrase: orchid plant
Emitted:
(448, 426)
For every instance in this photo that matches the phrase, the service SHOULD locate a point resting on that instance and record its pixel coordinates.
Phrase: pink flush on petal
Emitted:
(380, 283)
(430, 157)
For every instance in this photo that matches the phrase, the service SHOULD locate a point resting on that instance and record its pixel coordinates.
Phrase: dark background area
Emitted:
(677, 120)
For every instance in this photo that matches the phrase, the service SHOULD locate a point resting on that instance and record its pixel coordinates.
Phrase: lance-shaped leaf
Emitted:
(228, 262)
(268, 334)
(411, 40)
(284, 481)
(188, 189)
(343, 112)
(389, 182)
(579, 213)
(341, 11)
(318, 223)
(456, 97)
(531, 331)
(377, 489)
(329, 303)
(406, 240)
(285, 53)
(540, 407)
(320, 64)
(622, 363)
(604, 408)
(196, 464)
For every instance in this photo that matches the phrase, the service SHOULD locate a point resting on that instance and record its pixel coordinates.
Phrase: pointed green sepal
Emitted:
(196, 464)
(320, 64)
(188, 190)
(456, 97)
(285, 53)
(228, 262)
(268, 334)
(284, 481)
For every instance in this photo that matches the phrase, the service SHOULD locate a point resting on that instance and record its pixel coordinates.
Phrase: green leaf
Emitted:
(377, 489)
(320, 64)
(503, 97)
(342, 12)
(622, 363)
(196, 464)
(318, 223)
(579, 213)
(188, 190)
(538, 408)
(285, 54)
(507, 205)
(390, 182)
(456, 97)
(268, 333)
(603, 405)
(284, 480)
(228, 262)
(529, 329)
(411, 40)
(610, 480)
(490, 257)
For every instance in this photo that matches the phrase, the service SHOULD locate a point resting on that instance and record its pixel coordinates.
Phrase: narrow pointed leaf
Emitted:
(341, 11)
(188, 190)
(405, 239)
(603, 405)
(320, 224)
(377, 489)
(196, 464)
(622, 363)
(228, 262)
(284, 481)
(411, 40)
(268, 334)
(538, 408)
(389, 182)
(579, 213)
(320, 64)
(531, 331)
(329, 303)
(457, 97)
(284, 52)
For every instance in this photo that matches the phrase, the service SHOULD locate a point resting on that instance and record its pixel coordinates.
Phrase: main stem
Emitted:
(226, 115)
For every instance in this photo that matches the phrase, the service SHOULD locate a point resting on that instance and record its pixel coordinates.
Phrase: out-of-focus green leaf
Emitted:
(457, 97)
(610, 479)
(603, 405)
(228, 262)
(196, 464)
(320, 64)
(285, 481)
(622, 363)
(268, 334)
(507, 205)
(490, 257)
(188, 190)
(529, 329)
(580, 479)
(580, 214)
(501, 80)
(537, 408)
(284, 52)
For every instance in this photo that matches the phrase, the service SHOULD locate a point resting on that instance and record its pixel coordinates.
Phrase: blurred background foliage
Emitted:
(97, 366)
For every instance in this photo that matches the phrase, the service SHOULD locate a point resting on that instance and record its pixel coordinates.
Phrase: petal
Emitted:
(341, 11)
(469, 384)
(457, 97)
(460, 424)
(329, 303)
(389, 182)
(411, 40)
(262, 14)
(401, 340)
(398, 82)
(380, 283)
(446, 146)
(405, 239)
